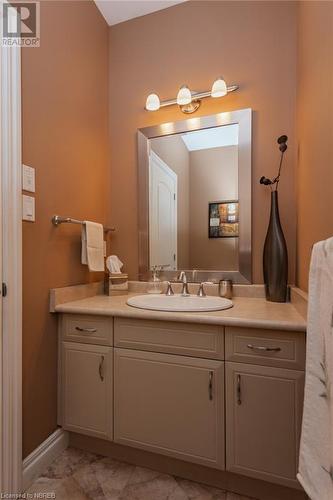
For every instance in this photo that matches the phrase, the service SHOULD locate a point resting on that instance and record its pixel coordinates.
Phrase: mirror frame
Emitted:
(241, 117)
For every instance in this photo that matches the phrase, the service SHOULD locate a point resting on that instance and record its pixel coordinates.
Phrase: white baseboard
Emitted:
(42, 456)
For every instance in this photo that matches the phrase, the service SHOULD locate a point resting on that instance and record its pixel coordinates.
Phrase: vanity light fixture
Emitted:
(184, 96)
(153, 102)
(189, 101)
(219, 88)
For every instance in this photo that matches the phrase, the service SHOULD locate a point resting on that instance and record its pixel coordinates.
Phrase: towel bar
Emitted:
(57, 219)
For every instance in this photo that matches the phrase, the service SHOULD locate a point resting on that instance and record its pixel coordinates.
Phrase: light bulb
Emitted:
(184, 96)
(219, 88)
(153, 102)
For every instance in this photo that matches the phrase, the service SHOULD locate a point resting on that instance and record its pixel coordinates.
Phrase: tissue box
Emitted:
(116, 284)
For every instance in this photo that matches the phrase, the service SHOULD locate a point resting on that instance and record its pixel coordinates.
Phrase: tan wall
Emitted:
(250, 43)
(213, 177)
(65, 137)
(174, 153)
(315, 131)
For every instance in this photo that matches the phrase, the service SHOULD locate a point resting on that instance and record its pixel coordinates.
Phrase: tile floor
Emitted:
(78, 475)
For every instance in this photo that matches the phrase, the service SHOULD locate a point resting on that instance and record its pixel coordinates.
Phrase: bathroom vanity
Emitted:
(221, 389)
(211, 396)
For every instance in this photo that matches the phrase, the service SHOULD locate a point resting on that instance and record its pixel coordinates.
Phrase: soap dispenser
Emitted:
(155, 284)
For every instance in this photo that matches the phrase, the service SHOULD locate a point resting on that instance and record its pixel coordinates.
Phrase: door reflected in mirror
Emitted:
(193, 199)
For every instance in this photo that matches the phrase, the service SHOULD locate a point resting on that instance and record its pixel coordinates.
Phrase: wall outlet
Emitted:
(28, 179)
(28, 208)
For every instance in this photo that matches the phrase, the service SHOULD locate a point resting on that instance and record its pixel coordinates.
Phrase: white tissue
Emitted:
(114, 264)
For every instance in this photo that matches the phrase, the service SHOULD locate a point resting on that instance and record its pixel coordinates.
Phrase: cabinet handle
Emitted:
(85, 330)
(239, 392)
(210, 385)
(100, 369)
(263, 348)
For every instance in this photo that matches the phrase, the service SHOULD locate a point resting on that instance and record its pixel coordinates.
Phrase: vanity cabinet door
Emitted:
(87, 389)
(263, 420)
(169, 404)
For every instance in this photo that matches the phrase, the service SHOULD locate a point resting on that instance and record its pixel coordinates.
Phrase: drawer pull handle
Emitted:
(263, 348)
(86, 330)
(100, 369)
(210, 386)
(239, 390)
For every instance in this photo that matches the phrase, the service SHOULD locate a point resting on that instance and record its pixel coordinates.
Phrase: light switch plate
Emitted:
(28, 208)
(28, 178)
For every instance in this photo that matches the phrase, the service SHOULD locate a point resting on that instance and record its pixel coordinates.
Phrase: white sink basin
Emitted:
(177, 303)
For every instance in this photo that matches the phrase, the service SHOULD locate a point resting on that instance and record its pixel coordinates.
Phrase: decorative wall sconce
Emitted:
(189, 101)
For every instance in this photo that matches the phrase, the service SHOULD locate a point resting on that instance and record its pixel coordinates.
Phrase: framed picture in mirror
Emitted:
(223, 219)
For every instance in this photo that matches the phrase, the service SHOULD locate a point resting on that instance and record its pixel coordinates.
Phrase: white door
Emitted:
(162, 213)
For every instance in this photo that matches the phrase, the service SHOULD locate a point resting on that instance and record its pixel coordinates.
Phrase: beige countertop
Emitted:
(247, 312)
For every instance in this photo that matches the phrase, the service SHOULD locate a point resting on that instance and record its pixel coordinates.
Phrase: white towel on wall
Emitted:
(316, 450)
(92, 252)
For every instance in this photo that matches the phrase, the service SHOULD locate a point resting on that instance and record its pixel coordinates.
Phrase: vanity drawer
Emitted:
(202, 341)
(265, 347)
(87, 329)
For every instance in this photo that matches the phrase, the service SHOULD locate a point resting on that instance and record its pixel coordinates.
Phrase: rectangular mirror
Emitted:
(195, 197)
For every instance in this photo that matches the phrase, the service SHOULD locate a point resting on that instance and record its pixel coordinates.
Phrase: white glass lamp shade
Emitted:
(184, 96)
(219, 88)
(153, 102)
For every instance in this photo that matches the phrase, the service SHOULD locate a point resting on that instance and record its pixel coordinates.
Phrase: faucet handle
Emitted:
(201, 291)
(169, 291)
(182, 277)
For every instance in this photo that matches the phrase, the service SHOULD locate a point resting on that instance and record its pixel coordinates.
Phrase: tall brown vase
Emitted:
(275, 258)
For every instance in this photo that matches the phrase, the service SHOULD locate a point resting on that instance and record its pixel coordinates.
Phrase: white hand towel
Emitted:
(316, 450)
(92, 252)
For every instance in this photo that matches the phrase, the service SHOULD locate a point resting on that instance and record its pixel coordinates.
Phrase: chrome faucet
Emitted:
(182, 277)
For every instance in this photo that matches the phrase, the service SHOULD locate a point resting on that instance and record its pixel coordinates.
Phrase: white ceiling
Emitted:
(216, 137)
(117, 11)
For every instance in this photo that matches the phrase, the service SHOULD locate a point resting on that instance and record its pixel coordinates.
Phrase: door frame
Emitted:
(11, 236)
